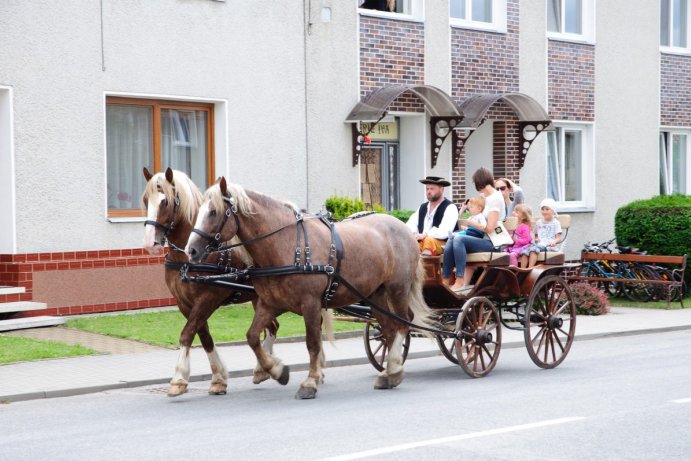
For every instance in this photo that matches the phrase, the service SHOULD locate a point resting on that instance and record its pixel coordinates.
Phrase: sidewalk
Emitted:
(135, 365)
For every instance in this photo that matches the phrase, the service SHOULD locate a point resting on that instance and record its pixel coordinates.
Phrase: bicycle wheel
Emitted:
(640, 292)
(675, 292)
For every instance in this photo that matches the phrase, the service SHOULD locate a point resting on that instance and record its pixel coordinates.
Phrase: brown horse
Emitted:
(379, 259)
(172, 202)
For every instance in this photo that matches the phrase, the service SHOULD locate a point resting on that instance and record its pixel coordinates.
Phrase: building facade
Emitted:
(92, 92)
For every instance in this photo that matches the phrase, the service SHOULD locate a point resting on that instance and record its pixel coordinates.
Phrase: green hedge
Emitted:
(342, 207)
(660, 225)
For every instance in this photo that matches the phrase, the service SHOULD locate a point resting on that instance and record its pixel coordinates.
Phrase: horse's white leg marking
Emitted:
(219, 373)
(178, 385)
(259, 375)
(393, 374)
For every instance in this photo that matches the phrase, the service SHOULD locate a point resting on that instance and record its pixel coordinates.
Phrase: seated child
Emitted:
(547, 234)
(475, 205)
(521, 235)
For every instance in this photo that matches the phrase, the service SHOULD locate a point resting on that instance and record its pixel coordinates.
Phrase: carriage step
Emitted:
(12, 290)
(30, 322)
(20, 306)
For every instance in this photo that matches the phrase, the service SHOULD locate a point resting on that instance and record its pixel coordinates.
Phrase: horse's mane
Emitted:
(190, 196)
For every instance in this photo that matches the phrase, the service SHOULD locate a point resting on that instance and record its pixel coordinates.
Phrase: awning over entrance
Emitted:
(447, 117)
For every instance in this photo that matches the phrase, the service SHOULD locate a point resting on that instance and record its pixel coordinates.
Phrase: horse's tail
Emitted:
(423, 315)
(328, 324)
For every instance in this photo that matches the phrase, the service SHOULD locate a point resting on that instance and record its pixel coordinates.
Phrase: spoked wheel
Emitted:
(479, 337)
(550, 322)
(642, 292)
(376, 347)
(447, 346)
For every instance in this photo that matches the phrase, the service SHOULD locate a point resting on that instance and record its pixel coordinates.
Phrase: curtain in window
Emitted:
(554, 15)
(573, 16)
(457, 9)
(678, 176)
(129, 148)
(664, 23)
(553, 166)
(679, 22)
(184, 143)
(573, 171)
(482, 10)
(664, 168)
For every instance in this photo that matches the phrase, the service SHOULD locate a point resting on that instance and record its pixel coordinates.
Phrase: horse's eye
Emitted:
(212, 213)
(165, 203)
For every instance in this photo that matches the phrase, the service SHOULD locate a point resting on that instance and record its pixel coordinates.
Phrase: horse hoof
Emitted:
(218, 389)
(285, 375)
(396, 378)
(382, 382)
(305, 393)
(177, 389)
(260, 377)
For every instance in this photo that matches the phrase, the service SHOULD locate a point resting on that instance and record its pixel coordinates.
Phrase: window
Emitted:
(396, 9)
(570, 165)
(155, 134)
(571, 19)
(478, 14)
(674, 25)
(675, 164)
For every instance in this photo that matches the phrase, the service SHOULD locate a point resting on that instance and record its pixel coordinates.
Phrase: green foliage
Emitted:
(659, 225)
(589, 300)
(342, 207)
(19, 349)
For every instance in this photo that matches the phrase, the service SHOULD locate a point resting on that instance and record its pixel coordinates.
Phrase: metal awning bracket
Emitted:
(441, 127)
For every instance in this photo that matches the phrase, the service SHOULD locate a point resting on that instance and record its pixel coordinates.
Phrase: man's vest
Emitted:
(438, 214)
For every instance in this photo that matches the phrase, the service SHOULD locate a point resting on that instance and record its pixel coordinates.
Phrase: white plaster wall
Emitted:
(250, 56)
(415, 162)
(478, 153)
(332, 91)
(7, 210)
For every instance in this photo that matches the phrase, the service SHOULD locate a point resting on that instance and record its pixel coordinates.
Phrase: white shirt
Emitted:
(448, 222)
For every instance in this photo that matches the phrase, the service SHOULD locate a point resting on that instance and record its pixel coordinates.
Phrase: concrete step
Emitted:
(12, 290)
(30, 322)
(20, 306)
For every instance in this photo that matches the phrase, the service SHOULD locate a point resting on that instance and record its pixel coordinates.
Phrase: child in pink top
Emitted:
(521, 236)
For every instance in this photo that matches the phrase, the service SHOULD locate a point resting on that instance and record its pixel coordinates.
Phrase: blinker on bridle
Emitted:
(214, 241)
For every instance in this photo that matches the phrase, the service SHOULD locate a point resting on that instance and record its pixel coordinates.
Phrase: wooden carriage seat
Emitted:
(492, 258)
(557, 257)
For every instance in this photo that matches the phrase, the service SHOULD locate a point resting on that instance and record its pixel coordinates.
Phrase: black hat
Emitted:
(435, 180)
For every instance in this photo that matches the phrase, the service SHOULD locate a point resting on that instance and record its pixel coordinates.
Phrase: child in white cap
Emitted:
(547, 234)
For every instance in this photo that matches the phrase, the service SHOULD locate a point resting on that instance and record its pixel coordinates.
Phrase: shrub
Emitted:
(589, 300)
(659, 225)
(342, 207)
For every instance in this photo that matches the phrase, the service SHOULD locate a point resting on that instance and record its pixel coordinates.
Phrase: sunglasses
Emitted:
(502, 188)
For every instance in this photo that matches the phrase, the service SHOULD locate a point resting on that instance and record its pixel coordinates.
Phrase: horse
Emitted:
(372, 256)
(172, 201)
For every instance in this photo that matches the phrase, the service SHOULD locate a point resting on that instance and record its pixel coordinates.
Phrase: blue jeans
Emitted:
(456, 249)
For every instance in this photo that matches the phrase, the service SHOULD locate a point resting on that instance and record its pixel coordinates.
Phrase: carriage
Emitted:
(536, 301)
(305, 263)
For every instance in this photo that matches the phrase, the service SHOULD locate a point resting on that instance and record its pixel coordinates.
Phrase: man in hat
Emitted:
(432, 223)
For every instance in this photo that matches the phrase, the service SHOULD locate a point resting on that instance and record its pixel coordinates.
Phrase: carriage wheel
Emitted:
(376, 347)
(550, 322)
(447, 346)
(478, 327)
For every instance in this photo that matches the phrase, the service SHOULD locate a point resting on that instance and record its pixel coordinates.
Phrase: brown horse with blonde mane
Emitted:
(172, 201)
(373, 254)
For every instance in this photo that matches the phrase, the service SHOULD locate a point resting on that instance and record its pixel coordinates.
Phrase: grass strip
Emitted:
(19, 349)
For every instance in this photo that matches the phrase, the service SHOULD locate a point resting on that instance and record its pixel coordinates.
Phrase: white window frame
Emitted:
(587, 34)
(666, 162)
(587, 166)
(417, 12)
(671, 48)
(497, 24)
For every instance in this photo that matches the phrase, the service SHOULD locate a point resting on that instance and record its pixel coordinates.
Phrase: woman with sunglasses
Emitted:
(508, 187)
(457, 249)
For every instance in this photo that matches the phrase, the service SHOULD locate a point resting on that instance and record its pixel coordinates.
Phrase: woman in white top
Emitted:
(456, 250)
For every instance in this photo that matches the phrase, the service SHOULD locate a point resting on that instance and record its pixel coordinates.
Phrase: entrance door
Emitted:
(379, 175)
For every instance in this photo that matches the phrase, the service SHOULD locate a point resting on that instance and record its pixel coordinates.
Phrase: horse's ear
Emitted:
(218, 180)
(169, 175)
(224, 187)
(147, 175)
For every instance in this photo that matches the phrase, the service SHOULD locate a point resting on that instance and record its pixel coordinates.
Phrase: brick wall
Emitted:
(675, 97)
(392, 52)
(81, 282)
(571, 81)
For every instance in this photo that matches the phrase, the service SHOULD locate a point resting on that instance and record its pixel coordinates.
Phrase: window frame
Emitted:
(587, 166)
(498, 23)
(158, 105)
(666, 185)
(587, 34)
(671, 48)
(417, 8)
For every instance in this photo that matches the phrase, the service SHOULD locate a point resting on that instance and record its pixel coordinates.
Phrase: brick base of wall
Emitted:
(84, 282)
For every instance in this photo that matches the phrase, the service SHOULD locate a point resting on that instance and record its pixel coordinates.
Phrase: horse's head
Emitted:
(217, 220)
(169, 198)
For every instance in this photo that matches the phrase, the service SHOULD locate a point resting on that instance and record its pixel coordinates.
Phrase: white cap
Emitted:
(549, 203)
